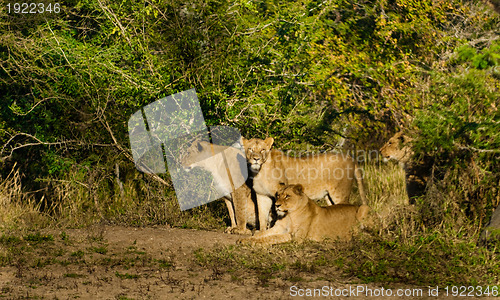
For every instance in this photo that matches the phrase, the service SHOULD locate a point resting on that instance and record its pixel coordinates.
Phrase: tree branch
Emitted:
(39, 142)
(476, 149)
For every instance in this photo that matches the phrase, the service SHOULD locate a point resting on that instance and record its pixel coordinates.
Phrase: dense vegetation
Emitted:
(307, 73)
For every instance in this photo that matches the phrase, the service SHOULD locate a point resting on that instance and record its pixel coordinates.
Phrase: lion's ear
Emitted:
(269, 142)
(298, 189)
(244, 141)
(406, 139)
(281, 188)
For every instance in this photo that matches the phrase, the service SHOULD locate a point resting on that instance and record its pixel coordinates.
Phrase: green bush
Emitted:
(305, 73)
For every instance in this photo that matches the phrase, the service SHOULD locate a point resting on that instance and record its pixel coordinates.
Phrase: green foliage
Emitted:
(482, 59)
(429, 259)
(463, 111)
(305, 73)
(8, 240)
(38, 237)
(78, 254)
(460, 131)
(126, 275)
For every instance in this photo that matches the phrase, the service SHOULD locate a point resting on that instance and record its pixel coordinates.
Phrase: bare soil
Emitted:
(115, 262)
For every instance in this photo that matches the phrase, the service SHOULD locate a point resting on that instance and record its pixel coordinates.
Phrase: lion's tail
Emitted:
(358, 173)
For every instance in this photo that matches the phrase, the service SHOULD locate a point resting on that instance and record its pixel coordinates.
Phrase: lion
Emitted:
(240, 202)
(302, 219)
(325, 175)
(398, 148)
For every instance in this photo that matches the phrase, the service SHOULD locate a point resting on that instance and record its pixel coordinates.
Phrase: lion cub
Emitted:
(240, 202)
(301, 219)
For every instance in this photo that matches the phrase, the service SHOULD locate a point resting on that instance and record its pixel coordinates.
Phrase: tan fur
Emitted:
(305, 220)
(329, 175)
(398, 148)
(240, 204)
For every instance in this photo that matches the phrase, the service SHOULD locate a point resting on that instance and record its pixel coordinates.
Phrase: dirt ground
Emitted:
(114, 262)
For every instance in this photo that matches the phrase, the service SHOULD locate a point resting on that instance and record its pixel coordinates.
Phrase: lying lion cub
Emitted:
(301, 219)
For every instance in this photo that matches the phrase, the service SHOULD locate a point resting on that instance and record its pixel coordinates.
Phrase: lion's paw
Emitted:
(244, 231)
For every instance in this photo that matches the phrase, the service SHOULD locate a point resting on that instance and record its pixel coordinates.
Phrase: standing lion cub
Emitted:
(302, 219)
(240, 203)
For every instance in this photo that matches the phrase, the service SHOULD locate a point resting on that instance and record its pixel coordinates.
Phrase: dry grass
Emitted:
(17, 209)
(385, 190)
(87, 196)
(385, 187)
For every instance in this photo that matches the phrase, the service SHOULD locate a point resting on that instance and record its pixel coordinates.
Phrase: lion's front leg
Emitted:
(230, 209)
(241, 196)
(264, 204)
(279, 233)
(270, 239)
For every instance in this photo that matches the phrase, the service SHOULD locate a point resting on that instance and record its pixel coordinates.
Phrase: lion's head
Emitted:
(398, 148)
(197, 152)
(257, 152)
(290, 198)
